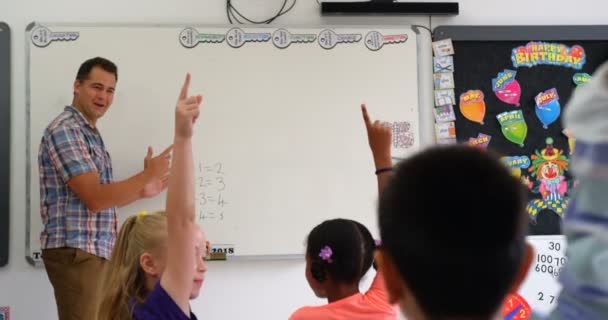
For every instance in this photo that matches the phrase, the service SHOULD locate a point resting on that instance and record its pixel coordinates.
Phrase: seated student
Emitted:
(339, 252)
(157, 265)
(453, 226)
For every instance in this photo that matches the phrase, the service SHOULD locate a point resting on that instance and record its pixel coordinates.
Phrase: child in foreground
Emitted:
(340, 251)
(157, 264)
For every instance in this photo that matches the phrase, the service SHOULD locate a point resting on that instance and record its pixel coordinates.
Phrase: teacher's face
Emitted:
(94, 95)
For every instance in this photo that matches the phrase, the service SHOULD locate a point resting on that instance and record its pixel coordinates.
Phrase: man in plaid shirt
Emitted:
(78, 195)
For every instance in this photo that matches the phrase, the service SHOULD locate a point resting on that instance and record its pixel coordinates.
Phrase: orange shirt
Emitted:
(373, 305)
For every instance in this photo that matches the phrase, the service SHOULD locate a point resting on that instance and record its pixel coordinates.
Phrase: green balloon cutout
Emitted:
(513, 126)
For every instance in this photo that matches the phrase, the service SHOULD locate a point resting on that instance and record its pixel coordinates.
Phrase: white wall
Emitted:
(259, 290)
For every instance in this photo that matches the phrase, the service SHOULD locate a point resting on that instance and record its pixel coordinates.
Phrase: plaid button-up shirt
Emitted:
(71, 147)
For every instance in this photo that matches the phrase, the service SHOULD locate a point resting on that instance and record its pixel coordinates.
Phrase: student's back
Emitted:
(340, 251)
(338, 254)
(453, 227)
(369, 305)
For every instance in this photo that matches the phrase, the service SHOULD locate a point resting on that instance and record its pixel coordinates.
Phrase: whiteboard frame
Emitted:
(425, 97)
(5, 153)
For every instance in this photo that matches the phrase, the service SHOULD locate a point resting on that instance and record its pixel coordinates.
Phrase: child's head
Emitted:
(338, 251)
(453, 229)
(139, 260)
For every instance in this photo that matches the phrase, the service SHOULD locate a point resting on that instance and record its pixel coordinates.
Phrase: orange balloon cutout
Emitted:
(472, 105)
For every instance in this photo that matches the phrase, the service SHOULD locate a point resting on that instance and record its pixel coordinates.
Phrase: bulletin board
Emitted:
(510, 85)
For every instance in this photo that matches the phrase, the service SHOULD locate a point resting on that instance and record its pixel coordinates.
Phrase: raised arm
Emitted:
(379, 138)
(178, 276)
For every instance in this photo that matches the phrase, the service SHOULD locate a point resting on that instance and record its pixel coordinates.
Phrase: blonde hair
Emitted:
(125, 279)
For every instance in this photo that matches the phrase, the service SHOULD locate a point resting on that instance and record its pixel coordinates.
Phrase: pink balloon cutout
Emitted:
(510, 94)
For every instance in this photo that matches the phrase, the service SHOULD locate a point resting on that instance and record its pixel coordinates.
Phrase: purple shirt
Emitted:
(159, 305)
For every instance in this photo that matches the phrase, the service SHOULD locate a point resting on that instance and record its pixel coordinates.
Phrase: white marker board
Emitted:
(280, 145)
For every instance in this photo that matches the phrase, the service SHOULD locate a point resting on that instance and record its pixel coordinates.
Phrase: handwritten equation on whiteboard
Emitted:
(211, 189)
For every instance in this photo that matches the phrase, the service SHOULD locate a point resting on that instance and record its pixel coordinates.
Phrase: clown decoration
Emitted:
(548, 167)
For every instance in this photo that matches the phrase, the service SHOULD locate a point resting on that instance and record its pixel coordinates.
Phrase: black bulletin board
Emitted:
(5, 141)
(482, 52)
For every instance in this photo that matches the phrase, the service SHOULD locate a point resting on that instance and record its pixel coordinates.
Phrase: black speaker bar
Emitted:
(383, 7)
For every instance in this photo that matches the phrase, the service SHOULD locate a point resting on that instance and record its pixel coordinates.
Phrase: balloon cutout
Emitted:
(472, 105)
(506, 88)
(547, 107)
(513, 126)
(516, 163)
(581, 78)
(482, 141)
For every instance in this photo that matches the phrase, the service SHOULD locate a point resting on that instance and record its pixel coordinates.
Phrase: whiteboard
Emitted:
(280, 145)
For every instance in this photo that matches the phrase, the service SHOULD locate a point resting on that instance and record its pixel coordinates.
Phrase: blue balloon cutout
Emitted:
(548, 113)
(547, 107)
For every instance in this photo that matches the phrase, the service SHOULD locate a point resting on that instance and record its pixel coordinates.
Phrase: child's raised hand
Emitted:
(379, 138)
(186, 111)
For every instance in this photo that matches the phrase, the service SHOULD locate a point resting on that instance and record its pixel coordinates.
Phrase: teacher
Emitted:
(78, 195)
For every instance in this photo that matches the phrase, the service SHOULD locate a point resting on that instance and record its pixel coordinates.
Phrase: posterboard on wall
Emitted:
(280, 145)
(5, 140)
(511, 86)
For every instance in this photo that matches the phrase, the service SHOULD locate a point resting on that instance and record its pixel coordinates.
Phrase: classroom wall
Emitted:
(254, 289)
